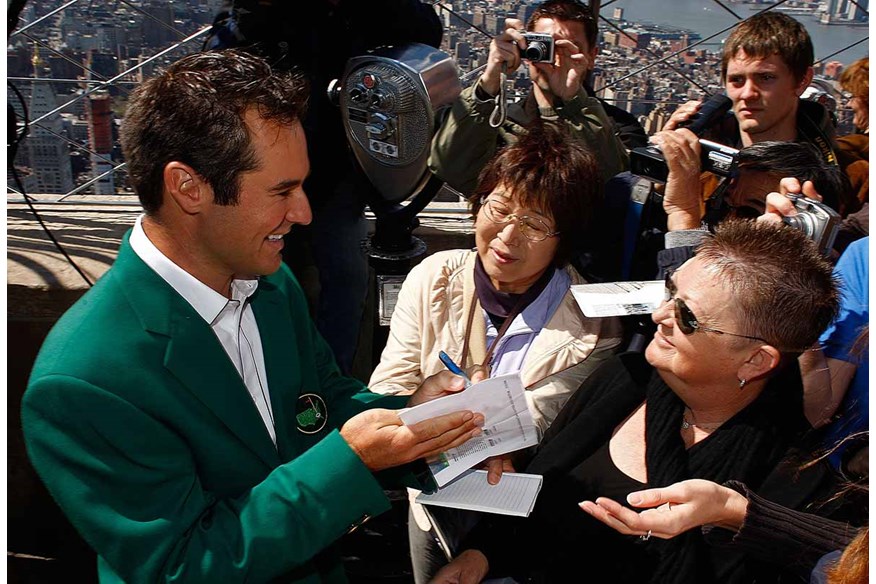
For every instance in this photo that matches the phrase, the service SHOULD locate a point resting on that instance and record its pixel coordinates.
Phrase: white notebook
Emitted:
(514, 495)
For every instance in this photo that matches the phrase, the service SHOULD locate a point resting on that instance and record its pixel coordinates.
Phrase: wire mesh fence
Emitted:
(71, 67)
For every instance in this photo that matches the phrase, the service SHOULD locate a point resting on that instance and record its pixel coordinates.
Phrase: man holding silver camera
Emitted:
(474, 128)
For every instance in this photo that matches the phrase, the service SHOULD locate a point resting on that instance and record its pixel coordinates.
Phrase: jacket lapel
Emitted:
(194, 355)
(281, 362)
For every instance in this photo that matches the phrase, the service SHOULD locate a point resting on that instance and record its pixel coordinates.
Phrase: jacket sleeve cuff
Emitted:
(685, 237)
(479, 101)
(344, 479)
(773, 532)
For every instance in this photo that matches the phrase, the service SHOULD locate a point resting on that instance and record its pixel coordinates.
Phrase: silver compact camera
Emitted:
(539, 47)
(816, 220)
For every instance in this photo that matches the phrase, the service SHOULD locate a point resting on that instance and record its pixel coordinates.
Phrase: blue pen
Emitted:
(453, 367)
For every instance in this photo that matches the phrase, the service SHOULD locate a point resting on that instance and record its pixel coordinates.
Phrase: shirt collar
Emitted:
(207, 302)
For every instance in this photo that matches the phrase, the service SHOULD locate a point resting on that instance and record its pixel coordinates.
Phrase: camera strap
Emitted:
(497, 118)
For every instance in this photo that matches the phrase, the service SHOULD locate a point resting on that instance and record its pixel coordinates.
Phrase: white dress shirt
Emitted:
(232, 320)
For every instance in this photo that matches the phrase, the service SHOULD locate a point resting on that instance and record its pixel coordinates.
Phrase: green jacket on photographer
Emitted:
(466, 141)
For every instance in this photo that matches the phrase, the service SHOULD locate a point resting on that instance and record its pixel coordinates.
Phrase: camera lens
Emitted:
(535, 51)
(800, 221)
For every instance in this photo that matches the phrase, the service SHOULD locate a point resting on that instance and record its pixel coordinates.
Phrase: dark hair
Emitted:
(551, 172)
(784, 290)
(771, 33)
(194, 113)
(570, 11)
(800, 160)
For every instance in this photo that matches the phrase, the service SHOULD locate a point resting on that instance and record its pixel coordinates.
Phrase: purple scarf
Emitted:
(501, 304)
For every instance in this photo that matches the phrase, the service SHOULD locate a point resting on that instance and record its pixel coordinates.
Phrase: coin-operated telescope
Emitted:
(389, 99)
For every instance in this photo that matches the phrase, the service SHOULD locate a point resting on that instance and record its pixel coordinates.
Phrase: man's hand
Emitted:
(469, 567)
(777, 207)
(683, 194)
(672, 510)
(682, 114)
(504, 50)
(566, 74)
(791, 186)
(382, 441)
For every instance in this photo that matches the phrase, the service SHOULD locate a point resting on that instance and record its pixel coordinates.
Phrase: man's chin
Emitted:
(749, 126)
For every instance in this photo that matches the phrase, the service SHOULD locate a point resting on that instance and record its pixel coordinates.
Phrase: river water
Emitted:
(706, 18)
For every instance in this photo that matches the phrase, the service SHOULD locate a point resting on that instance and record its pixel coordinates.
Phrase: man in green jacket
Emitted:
(470, 134)
(185, 413)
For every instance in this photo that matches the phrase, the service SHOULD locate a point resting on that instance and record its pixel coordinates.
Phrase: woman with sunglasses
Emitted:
(717, 396)
(506, 306)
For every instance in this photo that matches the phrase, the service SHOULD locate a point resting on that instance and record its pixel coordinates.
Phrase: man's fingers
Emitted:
(790, 185)
(447, 441)
(514, 31)
(682, 114)
(777, 206)
(443, 432)
(435, 427)
(810, 191)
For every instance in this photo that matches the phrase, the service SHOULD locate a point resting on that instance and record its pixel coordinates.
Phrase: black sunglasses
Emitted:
(686, 320)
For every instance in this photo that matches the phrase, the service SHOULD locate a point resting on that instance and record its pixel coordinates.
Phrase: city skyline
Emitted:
(60, 65)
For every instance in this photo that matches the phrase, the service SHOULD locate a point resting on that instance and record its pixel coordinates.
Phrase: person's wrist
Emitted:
(683, 219)
(488, 85)
(569, 95)
(733, 510)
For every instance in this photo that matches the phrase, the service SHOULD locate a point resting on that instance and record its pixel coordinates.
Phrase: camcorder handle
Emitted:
(712, 110)
(649, 162)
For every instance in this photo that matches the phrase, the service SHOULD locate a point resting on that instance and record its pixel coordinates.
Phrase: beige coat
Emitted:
(430, 316)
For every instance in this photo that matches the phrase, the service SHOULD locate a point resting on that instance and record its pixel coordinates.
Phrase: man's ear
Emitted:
(804, 83)
(760, 363)
(185, 187)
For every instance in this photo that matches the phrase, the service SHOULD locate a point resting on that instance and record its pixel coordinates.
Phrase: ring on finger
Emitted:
(646, 537)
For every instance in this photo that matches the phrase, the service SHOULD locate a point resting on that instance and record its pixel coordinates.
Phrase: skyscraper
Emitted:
(48, 154)
(100, 137)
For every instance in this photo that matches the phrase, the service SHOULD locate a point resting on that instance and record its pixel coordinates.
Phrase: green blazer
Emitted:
(144, 433)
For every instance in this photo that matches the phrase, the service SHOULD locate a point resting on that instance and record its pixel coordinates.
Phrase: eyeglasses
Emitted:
(532, 228)
(686, 320)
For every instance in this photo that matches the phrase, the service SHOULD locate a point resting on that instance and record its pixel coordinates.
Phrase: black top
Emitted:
(560, 539)
(783, 536)
(600, 475)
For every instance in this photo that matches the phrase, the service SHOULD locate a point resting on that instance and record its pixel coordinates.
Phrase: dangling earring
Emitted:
(742, 383)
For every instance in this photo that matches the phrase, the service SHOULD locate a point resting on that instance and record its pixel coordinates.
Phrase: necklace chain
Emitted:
(686, 424)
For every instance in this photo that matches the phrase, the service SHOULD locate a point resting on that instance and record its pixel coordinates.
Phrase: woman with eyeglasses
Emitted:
(717, 395)
(506, 306)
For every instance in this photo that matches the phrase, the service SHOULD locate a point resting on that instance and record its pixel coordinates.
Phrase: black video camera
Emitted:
(649, 162)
